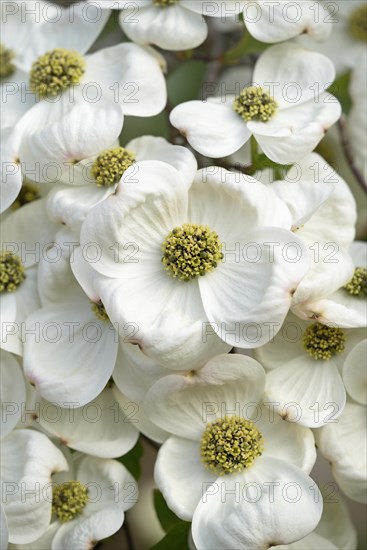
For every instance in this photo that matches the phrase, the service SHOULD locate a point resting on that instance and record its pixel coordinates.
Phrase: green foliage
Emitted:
(132, 460)
(185, 81)
(177, 531)
(144, 126)
(340, 89)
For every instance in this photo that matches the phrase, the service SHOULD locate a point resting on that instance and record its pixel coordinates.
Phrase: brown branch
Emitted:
(349, 155)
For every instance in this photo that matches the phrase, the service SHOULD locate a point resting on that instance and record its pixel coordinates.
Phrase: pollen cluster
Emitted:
(230, 444)
(110, 165)
(357, 286)
(358, 23)
(69, 500)
(27, 194)
(190, 251)
(323, 342)
(100, 312)
(6, 58)
(254, 103)
(164, 3)
(56, 71)
(12, 272)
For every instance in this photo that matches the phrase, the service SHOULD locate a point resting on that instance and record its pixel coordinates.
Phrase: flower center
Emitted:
(12, 272)
(69, 500)
(254, 103)
(110, 165)
(322, 342)
(6, 57)
(100, 312)
(230, 444)
(357, 24)
(27, 194)
(190, 251)
(56, 71)
(357, 286)
(164, 3)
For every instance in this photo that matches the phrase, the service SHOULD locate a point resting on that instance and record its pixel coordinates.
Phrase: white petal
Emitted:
(12, 392)
(157, 148)
(144, 210)
(336, 524)
(9, 330)
(273, 503)
(313, 541)
(306, 125)
(340, 310)
(308, 391)
(355, 373)
(72, 354)
(113, 484)
(99, 428)
(15, 93)
(170, 28)
(280, 21)
(213, 129)
(224, 10)
(287, 64)
(184, 404)
(135, 74)
(28, 459)
(53, 141)
(343, 444)
(10, 170)
(178, 466)
(250, 293)
(84, 532)
(4, 535)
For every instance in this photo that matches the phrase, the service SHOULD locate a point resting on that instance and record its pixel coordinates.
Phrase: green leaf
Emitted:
(248, 44)
(185, 82)
(340, 88)
(144, 126)
(166, 517)
(132, 460)
(176, 538)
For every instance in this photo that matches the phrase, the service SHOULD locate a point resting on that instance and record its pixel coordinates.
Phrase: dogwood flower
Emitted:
(28, 459)
(32, 29)
(223, 443)
(13, 392)
(187, 306)
(171, 24)
(88, 503)
(347, 42)
(356, 122)
(278, 21)
(283, 110)
(305, 360)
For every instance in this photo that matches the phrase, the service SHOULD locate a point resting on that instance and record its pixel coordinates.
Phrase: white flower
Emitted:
(171, 24)
(290, 116)
(88, 504)
(183, 318)
(28, 459)
(13, 392)
(323, 216)
(278, 21)
(304, 361)
(356, 124)
(343, 444)
(348, 37)
(30, 30)
(24, 235)
(231, 481)
(72, 353)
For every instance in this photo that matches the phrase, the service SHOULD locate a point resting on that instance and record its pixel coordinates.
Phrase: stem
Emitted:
(349, 155)
(254, 152)
(129, 538)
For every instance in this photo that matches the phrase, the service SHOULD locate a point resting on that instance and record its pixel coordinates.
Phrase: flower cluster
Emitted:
(182, 271)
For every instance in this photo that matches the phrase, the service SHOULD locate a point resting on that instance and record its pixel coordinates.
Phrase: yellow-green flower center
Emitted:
(323, 342)
(254, 103)
(190, 251)
(69, 500)
(56, 71)
(230, 444)
(357, 286)
(12, 272)
(357, 23)
(27, 194)
(100, 312)
(110, 165)
(164, 3)
(6, 61)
